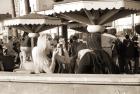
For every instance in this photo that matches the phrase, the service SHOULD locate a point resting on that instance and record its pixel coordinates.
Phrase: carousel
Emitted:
(91, 15)
(32, 24)
(84, 15)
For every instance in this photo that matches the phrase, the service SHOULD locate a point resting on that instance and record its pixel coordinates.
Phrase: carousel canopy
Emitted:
(77, 5)
(99, 12)
(33, 19)
(33, 22)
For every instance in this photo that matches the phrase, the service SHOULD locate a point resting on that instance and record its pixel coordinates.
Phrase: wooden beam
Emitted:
(89, 15)
(76, 17)
(45, 27)
(75, 24)
(39, 28)
(65, 35)
(106, 16)
(120, 14)
(27, 28)
(19, 27)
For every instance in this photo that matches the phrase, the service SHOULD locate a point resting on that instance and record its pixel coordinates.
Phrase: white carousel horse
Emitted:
(41, 62)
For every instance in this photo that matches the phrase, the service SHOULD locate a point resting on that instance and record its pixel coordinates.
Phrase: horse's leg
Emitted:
(46, 69)
(36, 69)
(29, 54)
(16, 57)
(21, 59)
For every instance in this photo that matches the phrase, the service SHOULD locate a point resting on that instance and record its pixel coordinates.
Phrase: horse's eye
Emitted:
(49, 38)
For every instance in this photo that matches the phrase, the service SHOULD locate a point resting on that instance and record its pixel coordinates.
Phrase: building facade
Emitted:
(34, 5)
(4, 31)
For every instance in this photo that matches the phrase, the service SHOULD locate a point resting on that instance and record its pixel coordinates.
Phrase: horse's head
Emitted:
(44, 41)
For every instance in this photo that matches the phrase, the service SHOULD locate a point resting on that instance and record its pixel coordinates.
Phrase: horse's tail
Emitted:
(35, 60)
(34, 54)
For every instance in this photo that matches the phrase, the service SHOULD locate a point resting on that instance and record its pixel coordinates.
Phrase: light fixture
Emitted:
(31, 35)
(95, 28)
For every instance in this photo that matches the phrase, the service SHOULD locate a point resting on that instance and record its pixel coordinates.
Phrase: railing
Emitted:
(19, 83)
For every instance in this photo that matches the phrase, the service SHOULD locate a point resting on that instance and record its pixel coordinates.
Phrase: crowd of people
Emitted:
(56, 56)
(9, 54)
(128, 54)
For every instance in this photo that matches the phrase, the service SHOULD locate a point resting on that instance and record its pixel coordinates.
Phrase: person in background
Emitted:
(25, 48)
(1, 42)
(128, 53)
(74, 45)
(16, 47)
(10, 49)
(73, 53)
(1, 58)
(119, 53)
(136, 53)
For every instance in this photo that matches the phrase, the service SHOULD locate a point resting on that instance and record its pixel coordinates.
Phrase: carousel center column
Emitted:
(94, 40)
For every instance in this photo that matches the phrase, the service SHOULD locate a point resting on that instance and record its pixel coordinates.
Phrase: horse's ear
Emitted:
(39, 34)
(42, 35)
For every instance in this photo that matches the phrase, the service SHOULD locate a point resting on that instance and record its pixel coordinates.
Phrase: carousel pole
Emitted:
(65, 34)
(95, 36)
(133, 24)
(58, 31)
(94, 30)
(27, 11)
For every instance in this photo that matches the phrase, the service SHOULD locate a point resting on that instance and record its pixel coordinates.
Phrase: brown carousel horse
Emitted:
(94, 60)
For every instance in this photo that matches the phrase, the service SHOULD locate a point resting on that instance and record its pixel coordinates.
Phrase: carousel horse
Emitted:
(40, 55)
(95, 60)
(62, 59)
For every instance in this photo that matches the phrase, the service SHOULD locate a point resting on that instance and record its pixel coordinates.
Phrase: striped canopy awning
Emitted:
(34, 19)
(33, 22)
(98, 12)
(78, 5)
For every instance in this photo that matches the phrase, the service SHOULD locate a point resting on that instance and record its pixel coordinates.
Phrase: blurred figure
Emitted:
(1, 42)
(73, 46)
(73, 52)
(136, 53)
(63, 56)
(128, 53)
(25, 48)
(107, 40)
(10, 49)
(1, 59)
(119, 55)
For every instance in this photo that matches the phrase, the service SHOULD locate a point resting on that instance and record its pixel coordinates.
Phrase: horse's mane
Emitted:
(40, 60)
(43, 41)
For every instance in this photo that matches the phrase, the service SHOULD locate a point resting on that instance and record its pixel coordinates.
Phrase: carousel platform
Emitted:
(24, 83)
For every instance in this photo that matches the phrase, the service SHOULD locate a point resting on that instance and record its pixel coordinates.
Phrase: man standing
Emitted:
(128, 53)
